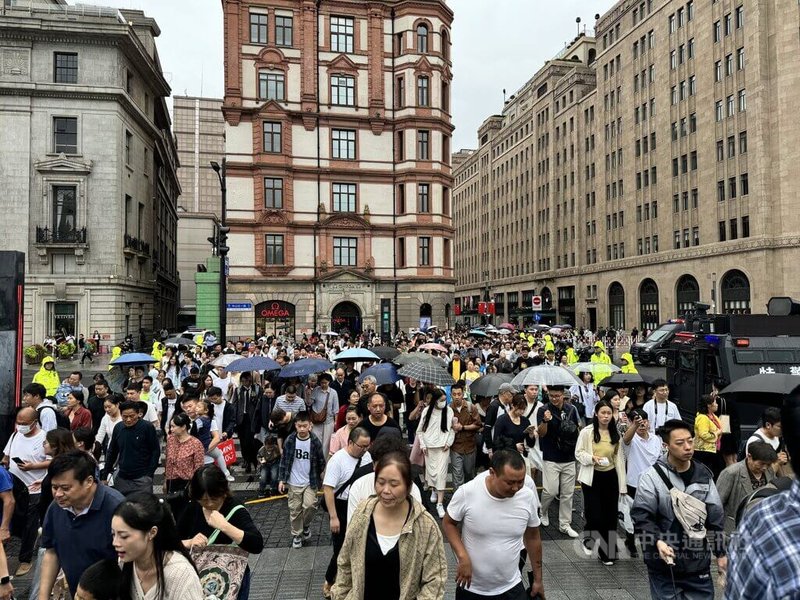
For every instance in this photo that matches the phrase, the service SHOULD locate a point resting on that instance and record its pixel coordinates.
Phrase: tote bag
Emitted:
(221, 567)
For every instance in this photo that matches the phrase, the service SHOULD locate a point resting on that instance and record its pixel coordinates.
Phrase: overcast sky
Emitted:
(497, 44)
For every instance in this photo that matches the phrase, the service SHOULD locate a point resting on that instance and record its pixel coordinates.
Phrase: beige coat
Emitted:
(423, 566)
(583, 454)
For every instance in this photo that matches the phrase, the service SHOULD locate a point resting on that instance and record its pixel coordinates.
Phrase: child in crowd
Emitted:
(269, 457)
(101, 581)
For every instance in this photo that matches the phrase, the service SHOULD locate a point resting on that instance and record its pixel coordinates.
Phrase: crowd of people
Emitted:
(384, 457)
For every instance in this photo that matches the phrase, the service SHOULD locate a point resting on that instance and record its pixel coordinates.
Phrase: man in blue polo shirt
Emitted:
(77, 527)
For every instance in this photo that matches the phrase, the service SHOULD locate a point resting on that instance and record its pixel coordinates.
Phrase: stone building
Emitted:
(339, 179)
(88, 168)
(640, 171)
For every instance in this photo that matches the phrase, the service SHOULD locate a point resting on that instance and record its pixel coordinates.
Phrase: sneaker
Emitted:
(230, 477)
(262, 494)
(440, 511)
(608, 563)
(434, 496)
(569, 531)
(306, 533)
(297, 542)
(587, 551)
(545, 520)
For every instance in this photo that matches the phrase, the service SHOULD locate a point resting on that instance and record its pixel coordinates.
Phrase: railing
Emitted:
(137, 245)
(45, 235)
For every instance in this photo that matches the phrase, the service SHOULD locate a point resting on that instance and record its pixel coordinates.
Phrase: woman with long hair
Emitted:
(155, 565)
(78, 415)
(708, 435)
(602, 476)
(620, 417)
(436, 435)
(393, 549)
(174, 371)
(512, 430)
(109, 420)
(341, 416)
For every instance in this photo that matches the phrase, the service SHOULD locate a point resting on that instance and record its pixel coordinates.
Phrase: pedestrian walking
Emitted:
(466, 425)
(708, 435)
(436, 436)
(323, 405)
(134, 449)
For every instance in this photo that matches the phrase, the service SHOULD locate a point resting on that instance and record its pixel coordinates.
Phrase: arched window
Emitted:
(592, 55)
(648, 305)
(616, 305)
(735, 293)
(422, 38)
(445, 44)
(687, 292)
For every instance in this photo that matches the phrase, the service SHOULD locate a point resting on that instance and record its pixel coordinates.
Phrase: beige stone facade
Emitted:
(640, 170)
(337, 127)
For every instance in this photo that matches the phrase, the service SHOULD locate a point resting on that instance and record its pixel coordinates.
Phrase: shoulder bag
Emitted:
(221, 566)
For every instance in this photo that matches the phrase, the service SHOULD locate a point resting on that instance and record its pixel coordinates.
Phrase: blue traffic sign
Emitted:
(537, 317)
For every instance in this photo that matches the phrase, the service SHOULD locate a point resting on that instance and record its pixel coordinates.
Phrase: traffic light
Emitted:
(222, 240)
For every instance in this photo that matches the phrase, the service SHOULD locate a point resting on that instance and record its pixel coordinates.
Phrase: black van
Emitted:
(655, 348)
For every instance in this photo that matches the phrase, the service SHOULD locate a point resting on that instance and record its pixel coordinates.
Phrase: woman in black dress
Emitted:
(512, 430)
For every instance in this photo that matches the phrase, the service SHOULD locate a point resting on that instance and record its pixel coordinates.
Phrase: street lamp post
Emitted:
(222, 251)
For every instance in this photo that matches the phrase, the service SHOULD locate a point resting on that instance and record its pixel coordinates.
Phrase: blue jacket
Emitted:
(317, 461)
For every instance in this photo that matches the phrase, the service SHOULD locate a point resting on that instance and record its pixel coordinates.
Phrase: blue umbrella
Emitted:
(357, 354)
(253, 363)
(305, 366)
(133, 358)
(383, 373)
(477, 333)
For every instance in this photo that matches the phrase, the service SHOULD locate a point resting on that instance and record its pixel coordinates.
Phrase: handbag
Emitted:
(228, 449)
(318, 418)
(725, 420)
(624, 506)
(221, 567)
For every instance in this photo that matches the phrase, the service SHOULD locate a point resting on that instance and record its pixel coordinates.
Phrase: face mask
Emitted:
(24, 429)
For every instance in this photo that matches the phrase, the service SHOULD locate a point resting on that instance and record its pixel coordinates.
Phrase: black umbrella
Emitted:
(489, 385)
(427, 373)
(626, 380)
(764, 383)
(178, 340)
(386, 352)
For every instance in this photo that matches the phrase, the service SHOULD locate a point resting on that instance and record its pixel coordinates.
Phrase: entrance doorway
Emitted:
(346, 318)
(275, 318)
(63, 318)
(425, 316)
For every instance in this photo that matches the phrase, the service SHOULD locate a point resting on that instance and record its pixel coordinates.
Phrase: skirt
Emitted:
(436, 463)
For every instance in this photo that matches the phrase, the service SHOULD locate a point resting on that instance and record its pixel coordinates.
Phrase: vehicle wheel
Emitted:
(661, 359)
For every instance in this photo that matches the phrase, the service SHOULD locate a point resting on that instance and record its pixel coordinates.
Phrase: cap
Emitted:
(506, 387)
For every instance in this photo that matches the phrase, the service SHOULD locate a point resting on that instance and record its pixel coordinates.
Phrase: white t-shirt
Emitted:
(219, 413)
(658, 414)
(774, 442)
(29, 449)
(340, 468)
(642, 454)
(301, 465)
(363, 488)
(47, 416)
(493, 544)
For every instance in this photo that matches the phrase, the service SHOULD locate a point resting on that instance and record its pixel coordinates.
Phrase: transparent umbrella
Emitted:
(544, 375)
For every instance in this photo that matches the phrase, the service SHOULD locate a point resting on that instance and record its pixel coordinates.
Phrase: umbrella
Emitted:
(253, 363)
(427, 373)
(626, 379)
(179, 341)
(133, 358)
(305, 366)
(406, 358)
(503, 331)
(357, 354)
(536, 328)
(593, 368)
(223, 360)
(331, 334)
(563, 325)
(383, 373)
(764, 383)
(489, 385)
(544, 375)
(433, 346)
(510, 326)
(385, 352)
(478, 333)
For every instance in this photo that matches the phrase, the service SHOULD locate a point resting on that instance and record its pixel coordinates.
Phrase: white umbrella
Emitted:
(594, 368)
(544, 375)
(331, 334)
(225, 359)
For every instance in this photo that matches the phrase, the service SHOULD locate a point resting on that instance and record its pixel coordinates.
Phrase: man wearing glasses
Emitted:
(336, 487)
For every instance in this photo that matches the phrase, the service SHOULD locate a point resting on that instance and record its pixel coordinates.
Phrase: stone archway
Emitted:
(616, 305)
(648, 305)
(346, 318)
(687, 292)
(735, 292)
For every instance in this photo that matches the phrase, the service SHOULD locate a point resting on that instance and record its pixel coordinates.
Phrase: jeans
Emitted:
(558, 479)
(268, 476)
(463, 468)
(694, 587)
(31, 531)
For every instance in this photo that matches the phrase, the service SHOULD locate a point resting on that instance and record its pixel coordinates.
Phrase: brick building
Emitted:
(339, 180)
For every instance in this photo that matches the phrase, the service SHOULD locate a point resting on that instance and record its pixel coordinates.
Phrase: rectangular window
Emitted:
(65, 135)
(128, 148)
(344, 144)
(744, 182)
(401, 252)
(731, 106)
(745, 227)
(720, 191)
(655, 243)
(271, 86)
(717, 31)
(65, 209)
(423, 144)
(728, 24)
(258, 28)
(65, 67)
(720, 151)
(424, 197)
(718, 71)
(690, 48)
(686, 238)
(343, 90)
(401, 199)
(695, 236)
(694, 198)
(692, 85)
(733, 223)
(424, 252)
(345, 251)
(690, 10)
(692, 160)
(273, 247)
(739, 17)
(722, 231)
(344, 197)
(740, 59)
(423, 91)
(677, 240)
(729, 65)
(342, 29)
(284, 29)
(273, 192)
(692, 123)
(742, 101)
(731, 146)
(273, 137)
(718, 110)
(743, 142)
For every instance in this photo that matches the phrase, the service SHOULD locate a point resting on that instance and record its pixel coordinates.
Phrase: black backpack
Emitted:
(568, 431)
(62, 421)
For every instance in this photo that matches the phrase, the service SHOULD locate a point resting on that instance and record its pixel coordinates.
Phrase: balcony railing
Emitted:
(137, 245)
(45, 235)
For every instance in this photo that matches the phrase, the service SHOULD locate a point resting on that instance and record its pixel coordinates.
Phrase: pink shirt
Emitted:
(339, 439)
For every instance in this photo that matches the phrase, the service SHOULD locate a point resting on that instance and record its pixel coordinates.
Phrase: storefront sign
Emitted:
(276, 309)
(240, 306)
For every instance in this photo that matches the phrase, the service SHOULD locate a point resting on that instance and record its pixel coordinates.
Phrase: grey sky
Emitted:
(496, 44)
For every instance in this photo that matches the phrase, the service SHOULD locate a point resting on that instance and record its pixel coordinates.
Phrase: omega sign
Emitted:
(275, 310)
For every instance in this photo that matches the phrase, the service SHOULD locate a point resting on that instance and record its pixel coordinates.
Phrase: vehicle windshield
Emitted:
(659, 334)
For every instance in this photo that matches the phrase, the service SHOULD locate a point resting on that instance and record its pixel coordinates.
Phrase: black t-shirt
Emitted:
(550, 450)
(687, 475)
(191, 387)
(375, 429)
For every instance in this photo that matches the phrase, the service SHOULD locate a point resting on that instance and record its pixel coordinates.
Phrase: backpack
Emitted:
(743, 450)
(567, 437)
(61, 394)
(62, 421)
